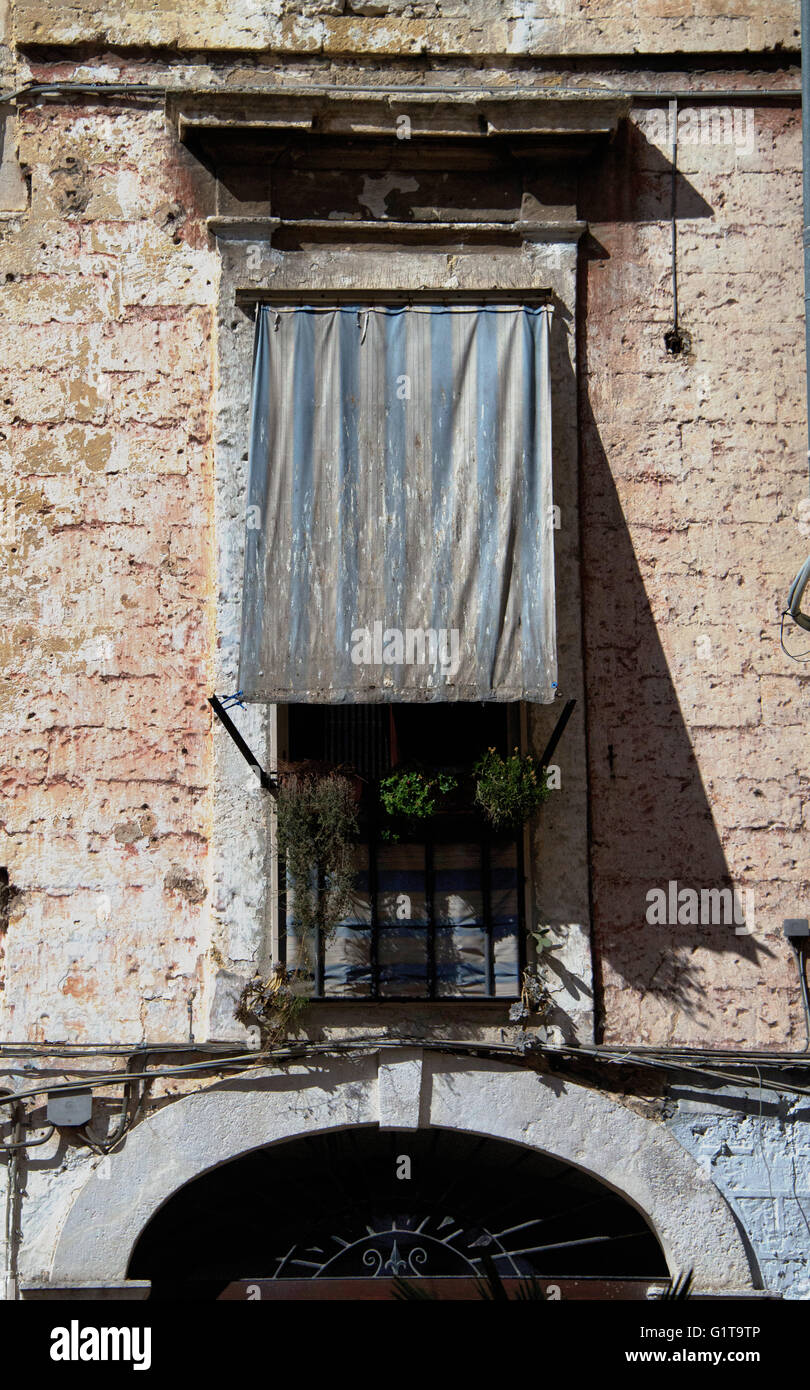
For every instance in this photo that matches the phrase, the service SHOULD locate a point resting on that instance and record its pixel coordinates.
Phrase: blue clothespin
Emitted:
(230, 700)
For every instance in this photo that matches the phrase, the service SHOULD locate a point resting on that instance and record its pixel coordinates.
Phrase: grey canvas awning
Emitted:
(399, 541)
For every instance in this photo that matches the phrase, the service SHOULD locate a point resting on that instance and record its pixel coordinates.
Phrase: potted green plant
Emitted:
(508, 790)
(317, 822)
(411, 795)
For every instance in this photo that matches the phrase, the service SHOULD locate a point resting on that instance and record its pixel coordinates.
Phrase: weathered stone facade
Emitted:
(694, 479)
(137, 854)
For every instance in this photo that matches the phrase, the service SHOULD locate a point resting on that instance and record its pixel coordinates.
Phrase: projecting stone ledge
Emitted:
(537, 122)
(447, 28)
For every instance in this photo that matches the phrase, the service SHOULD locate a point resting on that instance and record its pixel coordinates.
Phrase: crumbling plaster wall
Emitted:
(748, 1152)
(758, 1155)
(106, 343)
(107, 359)
(110, 605)
(415, 27)
(97, 1227)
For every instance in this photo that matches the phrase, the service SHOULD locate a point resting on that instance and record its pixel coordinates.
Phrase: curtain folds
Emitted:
(399, 539)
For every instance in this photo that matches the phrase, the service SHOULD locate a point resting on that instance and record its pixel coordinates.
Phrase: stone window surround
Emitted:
(533, 255)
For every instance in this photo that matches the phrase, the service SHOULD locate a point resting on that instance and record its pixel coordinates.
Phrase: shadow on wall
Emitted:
(651, 819)
(632, 183)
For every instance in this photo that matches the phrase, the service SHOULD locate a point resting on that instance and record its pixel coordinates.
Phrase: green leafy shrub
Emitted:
(508, 790)
(414, 795)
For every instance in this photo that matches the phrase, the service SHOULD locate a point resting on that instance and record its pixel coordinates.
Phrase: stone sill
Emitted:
(127, 1290)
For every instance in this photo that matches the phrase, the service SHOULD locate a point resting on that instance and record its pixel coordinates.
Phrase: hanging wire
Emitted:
(802, 657)
(675, 340)
(245, 1062)
(673, 110)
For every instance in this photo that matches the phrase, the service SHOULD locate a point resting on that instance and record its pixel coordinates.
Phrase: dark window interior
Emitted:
(438, 911)
(373, 739)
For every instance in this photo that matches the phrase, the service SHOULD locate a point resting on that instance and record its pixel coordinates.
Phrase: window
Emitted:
(399, 605)
(437, 913)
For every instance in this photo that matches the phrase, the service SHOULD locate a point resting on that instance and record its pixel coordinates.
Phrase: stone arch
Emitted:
(402, 1089)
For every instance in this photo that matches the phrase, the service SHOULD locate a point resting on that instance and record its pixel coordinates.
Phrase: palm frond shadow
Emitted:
(491, 1288)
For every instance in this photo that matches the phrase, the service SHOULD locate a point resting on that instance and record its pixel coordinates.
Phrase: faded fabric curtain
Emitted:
(399, 540)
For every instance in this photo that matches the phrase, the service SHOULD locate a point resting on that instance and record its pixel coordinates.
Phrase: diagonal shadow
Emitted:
(632, 182)
(651, 818)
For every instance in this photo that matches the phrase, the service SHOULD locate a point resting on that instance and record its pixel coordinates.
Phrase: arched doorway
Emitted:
(401, 1092)
(343, 1214)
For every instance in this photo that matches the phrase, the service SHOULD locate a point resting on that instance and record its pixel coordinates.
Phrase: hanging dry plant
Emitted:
(317, 831)
(274, 1005)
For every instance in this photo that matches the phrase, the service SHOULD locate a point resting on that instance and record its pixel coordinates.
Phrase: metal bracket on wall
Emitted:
(268, 783)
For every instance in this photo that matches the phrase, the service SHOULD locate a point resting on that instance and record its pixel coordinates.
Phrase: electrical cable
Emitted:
(673, 107)
(125, 1121)
(801, 657)
(12, 1223)
(404, 90)
(28, 1143)
(7, 1147)
(236, 1050)
(251, 1061)
(797, 947)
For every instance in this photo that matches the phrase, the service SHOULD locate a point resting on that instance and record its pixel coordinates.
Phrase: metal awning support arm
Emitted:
(268, 783)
